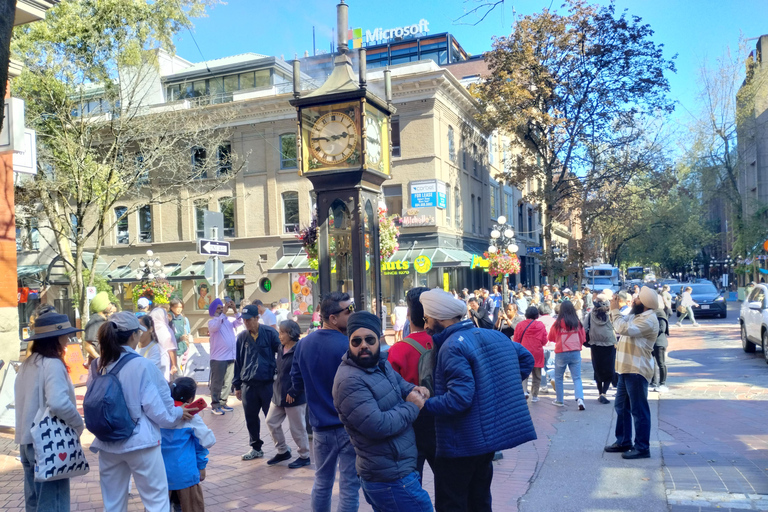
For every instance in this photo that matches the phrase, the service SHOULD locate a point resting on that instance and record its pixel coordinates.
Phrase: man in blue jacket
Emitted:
(479, 405)
(315, 361)
(378, 408)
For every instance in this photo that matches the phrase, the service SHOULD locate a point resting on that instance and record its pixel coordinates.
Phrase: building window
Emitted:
(198, 163)
(451, 145)
(121, 218)
(530, 222)
(448, 206)
(201, 205)
(224, 159)
(510, 208)
(74, 227)
(474, 215)
(395, 135)
(142, 173)
(457, 206)
(290, 212)
(496, 205)
(463, 155)
(393, 199)
(145, 224)
(520, 223)
(479, 215)
(227, 208)
(474, 159)
(288, 151)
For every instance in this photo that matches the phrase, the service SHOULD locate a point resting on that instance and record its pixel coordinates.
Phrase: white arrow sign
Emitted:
(213, 247)
(218, 249)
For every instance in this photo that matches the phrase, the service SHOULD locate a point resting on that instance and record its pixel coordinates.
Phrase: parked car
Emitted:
(709, 299)
(753, 319)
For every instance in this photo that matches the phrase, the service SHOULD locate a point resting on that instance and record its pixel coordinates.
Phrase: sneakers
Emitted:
(558, 404)
(678, 324)
(662, 389)
(535, 399)
(253, 454)
(636, 454)
(581, 404)
(217, 411)
(527, 395)
(618, 448)
(280, 457)
(653, 387)
(552, 383)
(299, 463)
(603, 400)
(695, 325)
(226, 408)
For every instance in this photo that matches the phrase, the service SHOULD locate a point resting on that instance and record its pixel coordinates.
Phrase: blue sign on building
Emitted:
(534, 250)
(428, 194)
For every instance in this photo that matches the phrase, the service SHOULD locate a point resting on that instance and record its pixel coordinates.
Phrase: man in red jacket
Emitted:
(404, 358)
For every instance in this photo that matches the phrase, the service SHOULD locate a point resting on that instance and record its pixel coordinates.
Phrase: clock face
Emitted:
(333, 138)
(373, 137)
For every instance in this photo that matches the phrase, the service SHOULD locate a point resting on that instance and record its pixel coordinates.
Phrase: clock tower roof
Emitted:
(342, 79)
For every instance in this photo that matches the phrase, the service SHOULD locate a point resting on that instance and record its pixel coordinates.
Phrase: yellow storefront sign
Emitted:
(479, 262)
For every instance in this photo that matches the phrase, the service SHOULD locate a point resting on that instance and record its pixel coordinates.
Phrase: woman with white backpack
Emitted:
(150, 406)
(43, 386)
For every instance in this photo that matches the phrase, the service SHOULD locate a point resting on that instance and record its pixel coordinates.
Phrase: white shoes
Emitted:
(581, 404)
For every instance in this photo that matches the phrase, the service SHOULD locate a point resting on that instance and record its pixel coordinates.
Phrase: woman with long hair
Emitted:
(150, 404)
(166, 338)
(568, 335)
(532, 334)
(150, 348)
(45, 368)
(602, 345)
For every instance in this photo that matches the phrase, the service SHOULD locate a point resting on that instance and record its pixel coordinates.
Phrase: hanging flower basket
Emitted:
(502, 263)
(158, 291)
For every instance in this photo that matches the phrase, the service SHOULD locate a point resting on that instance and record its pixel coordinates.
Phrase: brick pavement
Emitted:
(716, 445)
(232, 484)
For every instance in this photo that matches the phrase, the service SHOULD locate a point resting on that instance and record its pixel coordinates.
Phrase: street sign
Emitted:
(211, 221)
(212, 247)
(214, 273)
(534, 250)
(90, 292)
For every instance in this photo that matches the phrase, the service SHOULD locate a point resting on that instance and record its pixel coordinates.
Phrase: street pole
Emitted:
(215, 233)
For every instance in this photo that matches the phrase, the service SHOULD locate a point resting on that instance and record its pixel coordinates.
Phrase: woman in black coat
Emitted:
(659, 382)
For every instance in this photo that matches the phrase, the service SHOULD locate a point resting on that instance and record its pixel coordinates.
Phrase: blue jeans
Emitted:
(632, 402)
(403, 495)
(42, 496)
(573, 361)
(332, 446)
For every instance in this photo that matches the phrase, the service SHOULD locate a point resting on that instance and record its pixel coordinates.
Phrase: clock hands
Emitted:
(321, 138)
(340, 136)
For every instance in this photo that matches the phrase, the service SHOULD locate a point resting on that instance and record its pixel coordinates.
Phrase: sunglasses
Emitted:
(350, 308)
(369, 340)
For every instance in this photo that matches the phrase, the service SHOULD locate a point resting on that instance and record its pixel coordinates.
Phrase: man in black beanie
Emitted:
(377, 408)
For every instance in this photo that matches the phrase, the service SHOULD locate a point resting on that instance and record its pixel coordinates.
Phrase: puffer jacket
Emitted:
(661, 340)
(255, 359)
(371, 405)
(600, 331)
(479, 405)
(533, 338)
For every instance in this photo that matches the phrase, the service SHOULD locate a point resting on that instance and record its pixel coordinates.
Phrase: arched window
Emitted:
(288, 151)
(227, 208)
(451, 145)
(121, 229)
(290, 212)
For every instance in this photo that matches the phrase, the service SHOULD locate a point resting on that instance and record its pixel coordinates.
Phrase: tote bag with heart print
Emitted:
(569, 341)
(58, 452)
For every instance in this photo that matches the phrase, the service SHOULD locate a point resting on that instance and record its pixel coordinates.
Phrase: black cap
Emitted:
(250, 311)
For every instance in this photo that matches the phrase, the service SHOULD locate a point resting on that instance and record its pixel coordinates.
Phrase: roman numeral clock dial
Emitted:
(333, 138)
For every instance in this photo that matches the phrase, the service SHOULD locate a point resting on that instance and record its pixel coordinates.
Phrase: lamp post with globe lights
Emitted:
(150, 268)
(502, 240)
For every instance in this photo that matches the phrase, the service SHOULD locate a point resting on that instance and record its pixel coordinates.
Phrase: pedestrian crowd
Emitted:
(452, 391)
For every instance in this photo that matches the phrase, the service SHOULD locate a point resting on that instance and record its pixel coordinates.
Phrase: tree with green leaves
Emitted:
(91, 70)
(565, 84)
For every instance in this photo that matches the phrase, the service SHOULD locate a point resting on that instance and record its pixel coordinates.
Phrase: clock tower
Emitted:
(344, 150)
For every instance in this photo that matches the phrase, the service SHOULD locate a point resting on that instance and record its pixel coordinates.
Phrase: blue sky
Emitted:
(693, 29)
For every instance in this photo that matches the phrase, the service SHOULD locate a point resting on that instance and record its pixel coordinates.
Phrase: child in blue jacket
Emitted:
(185, 452)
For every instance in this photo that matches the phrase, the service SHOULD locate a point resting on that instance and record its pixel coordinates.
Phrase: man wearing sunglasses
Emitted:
(378, 409)
(315, 361)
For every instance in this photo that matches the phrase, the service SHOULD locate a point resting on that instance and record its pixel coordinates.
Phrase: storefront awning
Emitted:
(232, 270)
(292, 263)
(30, 270)
(440, 257)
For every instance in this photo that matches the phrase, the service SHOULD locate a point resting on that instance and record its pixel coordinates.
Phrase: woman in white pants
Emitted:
(150, 405)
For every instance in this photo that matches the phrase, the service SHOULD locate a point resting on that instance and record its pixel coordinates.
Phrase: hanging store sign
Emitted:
(422, 264)
(428, 194)
(418, 217)
(394, 268)
(479, 262)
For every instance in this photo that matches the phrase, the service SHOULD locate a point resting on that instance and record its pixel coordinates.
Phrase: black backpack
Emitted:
(426, 364)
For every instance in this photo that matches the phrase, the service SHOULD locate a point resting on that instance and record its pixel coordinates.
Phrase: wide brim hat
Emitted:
(52, 325)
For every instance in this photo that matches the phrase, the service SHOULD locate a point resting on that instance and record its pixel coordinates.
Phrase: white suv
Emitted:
(754, 320)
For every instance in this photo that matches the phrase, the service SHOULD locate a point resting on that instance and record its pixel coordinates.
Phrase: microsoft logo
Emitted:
(355, 36)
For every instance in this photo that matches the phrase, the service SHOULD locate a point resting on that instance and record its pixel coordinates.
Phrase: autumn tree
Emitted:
(565, 84)
(90, 69)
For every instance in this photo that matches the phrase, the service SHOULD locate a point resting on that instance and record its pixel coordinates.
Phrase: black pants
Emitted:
(660, 372)
(256, 397)
(463, 484)
(426, 444)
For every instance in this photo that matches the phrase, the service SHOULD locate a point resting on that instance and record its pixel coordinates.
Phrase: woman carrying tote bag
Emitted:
(45, 367)
(569, 337)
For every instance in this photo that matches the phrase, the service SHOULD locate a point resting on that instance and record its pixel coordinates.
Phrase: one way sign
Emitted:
(212, 247)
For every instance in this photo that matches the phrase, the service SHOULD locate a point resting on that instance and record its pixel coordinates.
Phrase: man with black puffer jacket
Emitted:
(378, 408)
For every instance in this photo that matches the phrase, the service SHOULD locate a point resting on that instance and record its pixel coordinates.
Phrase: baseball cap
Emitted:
(143, 302)
(126, 321)
(250, 311)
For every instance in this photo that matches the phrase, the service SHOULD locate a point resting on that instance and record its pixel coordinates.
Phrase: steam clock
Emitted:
(344, 150)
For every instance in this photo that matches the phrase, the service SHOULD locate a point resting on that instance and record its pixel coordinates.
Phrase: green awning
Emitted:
(440, 257)
(30, 270)
(293, 263)
(232, 270)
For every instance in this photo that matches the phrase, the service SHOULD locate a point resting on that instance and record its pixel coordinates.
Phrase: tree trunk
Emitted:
(7, 15)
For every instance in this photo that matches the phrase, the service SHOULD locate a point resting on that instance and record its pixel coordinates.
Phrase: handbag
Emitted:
(58, 452)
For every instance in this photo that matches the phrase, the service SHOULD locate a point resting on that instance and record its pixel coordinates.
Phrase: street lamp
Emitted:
(502, 239)
(150, 268)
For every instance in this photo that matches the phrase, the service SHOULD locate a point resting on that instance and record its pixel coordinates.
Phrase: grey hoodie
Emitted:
(600, 331)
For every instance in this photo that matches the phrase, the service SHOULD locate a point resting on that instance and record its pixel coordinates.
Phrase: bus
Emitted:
(635, 274)
(601, 277)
